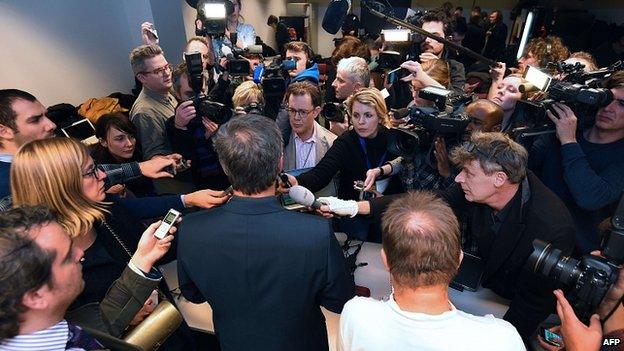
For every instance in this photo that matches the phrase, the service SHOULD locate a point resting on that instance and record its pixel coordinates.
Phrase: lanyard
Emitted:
(368, 162)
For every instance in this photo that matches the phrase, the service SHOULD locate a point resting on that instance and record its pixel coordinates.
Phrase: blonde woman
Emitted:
(247, 93)
(354, 152)
(60, 174)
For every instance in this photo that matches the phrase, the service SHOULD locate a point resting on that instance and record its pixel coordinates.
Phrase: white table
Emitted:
(373, 276)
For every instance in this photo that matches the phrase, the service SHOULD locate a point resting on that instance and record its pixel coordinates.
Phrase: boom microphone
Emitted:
(335, 15)
(303, 196)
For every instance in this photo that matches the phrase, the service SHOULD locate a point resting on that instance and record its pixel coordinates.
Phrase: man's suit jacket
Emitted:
(542, 217)
(324, 140)
(265, 271)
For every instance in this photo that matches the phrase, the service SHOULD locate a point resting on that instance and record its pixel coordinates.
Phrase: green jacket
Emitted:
(113, 314)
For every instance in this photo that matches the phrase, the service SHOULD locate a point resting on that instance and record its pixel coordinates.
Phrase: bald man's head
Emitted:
(485, 116)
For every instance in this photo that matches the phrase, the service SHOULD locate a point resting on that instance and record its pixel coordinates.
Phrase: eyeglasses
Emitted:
(160, 70)
(93, 172)
(298, 113)
(472, 148)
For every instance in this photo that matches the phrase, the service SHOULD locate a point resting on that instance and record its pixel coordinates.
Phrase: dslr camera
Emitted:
(214, 111)
(446, 119)
(588, 279)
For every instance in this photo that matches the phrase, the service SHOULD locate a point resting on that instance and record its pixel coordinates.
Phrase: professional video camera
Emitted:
(402, 45)
(272, 76)
(446, 119)
(216, 112)
(579, 90)
(213, 16)
(237, 64)
(589, 278)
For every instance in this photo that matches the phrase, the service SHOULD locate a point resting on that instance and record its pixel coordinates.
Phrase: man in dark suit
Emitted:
(506, 208)
(265, 271)
(496, 35)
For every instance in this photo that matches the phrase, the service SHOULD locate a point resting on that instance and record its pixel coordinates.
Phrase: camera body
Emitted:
(334, 111)
(214, 111)
(590, 278)
(446, 119)
(271, 76)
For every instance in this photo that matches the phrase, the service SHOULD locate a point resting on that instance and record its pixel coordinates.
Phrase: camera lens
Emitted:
(548, 261)
(566, 271)
(543, 258)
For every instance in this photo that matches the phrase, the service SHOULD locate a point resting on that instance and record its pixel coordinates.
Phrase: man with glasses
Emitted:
(505, 208)
(309, 141)
(155, 104)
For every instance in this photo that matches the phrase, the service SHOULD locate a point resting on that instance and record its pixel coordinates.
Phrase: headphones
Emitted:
(310, 54)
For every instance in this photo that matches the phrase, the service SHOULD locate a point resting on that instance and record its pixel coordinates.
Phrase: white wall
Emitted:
(70, 50)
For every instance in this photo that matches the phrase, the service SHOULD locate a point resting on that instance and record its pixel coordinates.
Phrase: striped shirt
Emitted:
(52, 339)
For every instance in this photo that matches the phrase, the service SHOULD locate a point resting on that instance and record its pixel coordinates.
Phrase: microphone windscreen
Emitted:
(301, 195)
(335, 16)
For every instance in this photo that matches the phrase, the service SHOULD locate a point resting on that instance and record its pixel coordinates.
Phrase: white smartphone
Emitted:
(169, 220)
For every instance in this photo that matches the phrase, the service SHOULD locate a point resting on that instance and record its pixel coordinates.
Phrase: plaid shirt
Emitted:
(419, 174)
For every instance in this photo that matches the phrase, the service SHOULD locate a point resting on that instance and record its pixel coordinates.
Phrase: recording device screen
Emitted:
(82, 130)
(550, 337)
(470, 271)
(396, 74)
(170, 218)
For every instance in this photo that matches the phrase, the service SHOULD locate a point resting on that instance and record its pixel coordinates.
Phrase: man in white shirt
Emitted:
(422, 252)
(309, 141)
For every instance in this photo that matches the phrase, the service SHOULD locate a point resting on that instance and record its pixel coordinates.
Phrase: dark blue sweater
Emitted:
(5, 179)
(588, 177)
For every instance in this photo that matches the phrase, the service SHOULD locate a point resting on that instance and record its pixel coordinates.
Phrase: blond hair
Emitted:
(49, 172)
(246, 93)
(371, 97)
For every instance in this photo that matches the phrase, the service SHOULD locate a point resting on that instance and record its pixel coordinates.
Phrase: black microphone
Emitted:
(335, 16)
(304, 197)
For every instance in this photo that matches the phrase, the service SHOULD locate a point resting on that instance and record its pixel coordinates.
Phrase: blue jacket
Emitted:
(310, 74)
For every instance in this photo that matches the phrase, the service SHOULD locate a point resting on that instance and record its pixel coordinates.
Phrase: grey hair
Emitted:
(142, 53)
(495, 152)
(250, 149)
(356, 68)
